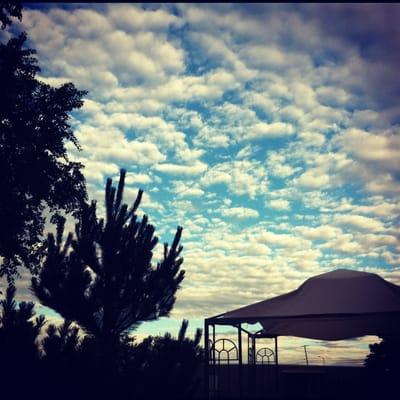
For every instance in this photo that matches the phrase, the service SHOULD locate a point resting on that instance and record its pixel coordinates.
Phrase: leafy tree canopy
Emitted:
(35, 171)
(9, 9)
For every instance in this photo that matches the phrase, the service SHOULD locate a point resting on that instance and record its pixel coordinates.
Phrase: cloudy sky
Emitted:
(269, 132)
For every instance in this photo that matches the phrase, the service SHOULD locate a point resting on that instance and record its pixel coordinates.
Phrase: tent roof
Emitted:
(334, 305)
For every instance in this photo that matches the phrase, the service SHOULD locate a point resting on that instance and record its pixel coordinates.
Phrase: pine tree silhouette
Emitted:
(103, 279)
(63, 362)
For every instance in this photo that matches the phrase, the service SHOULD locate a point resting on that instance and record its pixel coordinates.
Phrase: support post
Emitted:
(253, 345)
(240, 360)
(214, 362)
(276, 364)
(206, 361)
(254, 366)
(248, 349)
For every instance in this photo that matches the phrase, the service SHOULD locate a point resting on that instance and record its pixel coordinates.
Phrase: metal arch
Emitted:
(228, 347)
(267, 353)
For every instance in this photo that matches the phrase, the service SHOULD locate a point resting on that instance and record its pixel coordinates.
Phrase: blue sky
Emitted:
(269, 132)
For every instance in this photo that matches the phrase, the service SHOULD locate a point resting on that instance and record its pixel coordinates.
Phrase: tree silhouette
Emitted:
(383, 363)
(9, 9)
(61, 341)
(103, 279)
(35, 170)
(174, 363)
(63, 362)
(19, 354)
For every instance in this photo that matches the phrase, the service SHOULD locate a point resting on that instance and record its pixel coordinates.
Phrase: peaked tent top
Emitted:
(334, 305)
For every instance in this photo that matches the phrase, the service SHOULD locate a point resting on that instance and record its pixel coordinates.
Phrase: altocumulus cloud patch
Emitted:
(268, 133)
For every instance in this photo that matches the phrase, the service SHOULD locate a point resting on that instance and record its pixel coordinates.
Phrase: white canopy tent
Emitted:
(336, 305)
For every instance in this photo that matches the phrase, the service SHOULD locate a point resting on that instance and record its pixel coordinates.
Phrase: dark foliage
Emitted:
(158, 367)
(383, 364)
(104, 279)
(35, 171)
(66, 363)
(9, 9)
(384, 357)
(105, 269)
(61, 342)
(173, 363)
(19, 354)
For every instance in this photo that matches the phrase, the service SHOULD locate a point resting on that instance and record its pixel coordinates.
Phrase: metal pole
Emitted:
(206, 361)
(240, 359)
(305, 352)
(214, 361)
(248, 349)
(276, 364)
(253, 346)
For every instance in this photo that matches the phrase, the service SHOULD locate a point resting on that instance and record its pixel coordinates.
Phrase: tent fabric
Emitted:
(336, 305)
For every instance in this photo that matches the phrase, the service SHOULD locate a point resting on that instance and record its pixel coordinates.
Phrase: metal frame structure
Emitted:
(329, 321)
(265, 352)
(210, 350)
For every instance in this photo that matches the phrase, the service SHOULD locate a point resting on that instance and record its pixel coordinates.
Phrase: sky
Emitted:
(270, 132)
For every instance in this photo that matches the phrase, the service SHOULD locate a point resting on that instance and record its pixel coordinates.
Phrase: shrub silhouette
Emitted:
(19, 353)
(383, 364)
(172, 363)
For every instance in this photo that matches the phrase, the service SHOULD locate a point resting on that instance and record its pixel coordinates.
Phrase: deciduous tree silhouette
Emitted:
(35, 171)
(9, 9)
(103, 279)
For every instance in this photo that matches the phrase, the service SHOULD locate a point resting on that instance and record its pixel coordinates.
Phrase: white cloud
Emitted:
(333, 96)
(313, 179)
(134, 178)
(279, 204)
(282, 239)
(381, 149)
(132, 153)
(97, 171)
(240, 212)
(183, 170)
(244, 152)
(344, 244)
(242, 177)
(359, 222)
(201, 110)
(131, 18)
(275, 129)
(323, 232)
(190, 189)
(278, 165)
